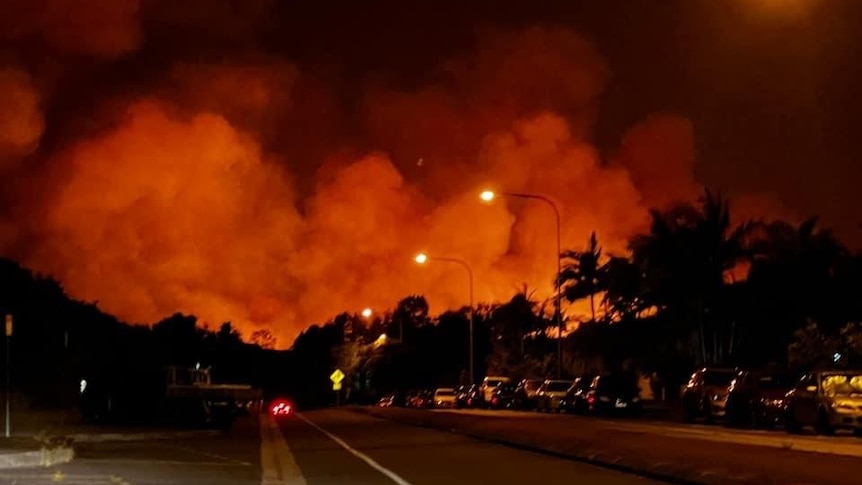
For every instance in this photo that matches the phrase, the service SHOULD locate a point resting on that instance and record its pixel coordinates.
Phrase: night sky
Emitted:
(206, 152)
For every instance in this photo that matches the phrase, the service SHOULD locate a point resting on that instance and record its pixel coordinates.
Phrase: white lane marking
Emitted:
(362, 456)
(211, 455)
(277, 463)
(153, 436)
(145, 462)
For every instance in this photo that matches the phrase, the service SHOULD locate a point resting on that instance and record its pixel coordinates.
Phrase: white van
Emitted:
(489, 384)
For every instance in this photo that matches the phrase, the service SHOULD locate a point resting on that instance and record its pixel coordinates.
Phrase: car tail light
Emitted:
(591, 399)
(281, 408)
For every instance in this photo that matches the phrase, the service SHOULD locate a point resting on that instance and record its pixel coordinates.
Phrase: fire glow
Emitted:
(190, 195)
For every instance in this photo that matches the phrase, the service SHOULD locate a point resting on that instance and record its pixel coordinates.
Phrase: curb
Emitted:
(665, 472)
(32, 459)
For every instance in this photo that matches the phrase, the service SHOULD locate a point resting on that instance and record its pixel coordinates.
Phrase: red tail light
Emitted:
(591, 399)
(281, 408)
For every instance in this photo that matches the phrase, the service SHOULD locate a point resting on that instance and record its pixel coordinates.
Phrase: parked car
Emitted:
(467, 396)
(444, 397)
(826, 400)
(550, 395)
(489, 384)
(421, 400)
(503, 397)
(615, 394)
(705, 395)
(756, 398)
(525, 393)
(575, 400)
(386, 401)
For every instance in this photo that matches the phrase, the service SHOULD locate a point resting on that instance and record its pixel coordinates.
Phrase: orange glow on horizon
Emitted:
(193, 193)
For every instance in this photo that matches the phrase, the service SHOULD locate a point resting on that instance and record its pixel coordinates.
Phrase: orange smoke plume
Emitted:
(97, 28)
(199, 198)
(21, 122)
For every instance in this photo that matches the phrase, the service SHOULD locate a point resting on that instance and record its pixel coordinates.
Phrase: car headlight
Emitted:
(843, 408)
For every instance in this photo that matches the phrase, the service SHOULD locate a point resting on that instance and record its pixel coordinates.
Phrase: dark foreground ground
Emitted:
(317, 448)
(349, 446)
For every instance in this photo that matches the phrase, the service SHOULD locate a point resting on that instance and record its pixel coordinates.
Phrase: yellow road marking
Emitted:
(277, 463)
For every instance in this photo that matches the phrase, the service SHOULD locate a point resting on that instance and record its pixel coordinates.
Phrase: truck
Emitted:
(175, 395)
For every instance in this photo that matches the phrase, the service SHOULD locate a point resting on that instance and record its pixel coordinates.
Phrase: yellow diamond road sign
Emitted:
(336, 386)
(337, 376)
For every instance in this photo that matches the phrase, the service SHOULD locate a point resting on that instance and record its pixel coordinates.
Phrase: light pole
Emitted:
(423, 258)
(488, 196)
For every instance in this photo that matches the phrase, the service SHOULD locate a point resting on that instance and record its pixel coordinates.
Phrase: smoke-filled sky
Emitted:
(274, 163)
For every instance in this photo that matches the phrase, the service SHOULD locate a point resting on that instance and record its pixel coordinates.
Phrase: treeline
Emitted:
(692, 291)
(58, 341)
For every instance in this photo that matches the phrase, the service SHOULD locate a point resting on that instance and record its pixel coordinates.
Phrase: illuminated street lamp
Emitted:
(367, 313)
(423, 258)
(488, 196)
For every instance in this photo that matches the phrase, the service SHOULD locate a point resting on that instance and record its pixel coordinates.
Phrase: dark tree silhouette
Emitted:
(581, 274)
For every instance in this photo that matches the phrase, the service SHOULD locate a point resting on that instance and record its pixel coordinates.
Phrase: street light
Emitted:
(367, 313)
(488, 196)
(423, 258)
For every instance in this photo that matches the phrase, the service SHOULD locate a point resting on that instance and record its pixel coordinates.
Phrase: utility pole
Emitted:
(8, 376)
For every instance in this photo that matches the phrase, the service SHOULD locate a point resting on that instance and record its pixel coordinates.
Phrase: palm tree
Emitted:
(624, 289)
(580, 277)
(798, 273)
(683, 260)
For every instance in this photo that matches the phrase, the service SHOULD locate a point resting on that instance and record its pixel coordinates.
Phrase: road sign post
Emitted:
(336, 379)
(8, 374)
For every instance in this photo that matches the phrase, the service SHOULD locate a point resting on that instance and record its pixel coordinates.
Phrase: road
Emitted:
(339, 446)
(843, 444)
(697, 453)
(316, 448)
(364, 450)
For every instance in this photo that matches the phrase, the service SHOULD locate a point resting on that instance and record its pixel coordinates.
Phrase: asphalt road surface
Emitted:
(338, 447)
(327, 447)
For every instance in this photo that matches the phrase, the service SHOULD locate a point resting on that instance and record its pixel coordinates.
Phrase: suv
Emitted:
(489, 384)
(756, 398)
(705, 395)
(525, 393)
(827, 401)
(551, 395)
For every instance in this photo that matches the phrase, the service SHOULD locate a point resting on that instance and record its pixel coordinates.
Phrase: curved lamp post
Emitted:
(488, 196)
(423, 258)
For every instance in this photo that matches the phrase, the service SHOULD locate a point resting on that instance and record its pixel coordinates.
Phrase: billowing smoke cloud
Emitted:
(202, 195)
(659, 154)
(21, 122)
(98, 28)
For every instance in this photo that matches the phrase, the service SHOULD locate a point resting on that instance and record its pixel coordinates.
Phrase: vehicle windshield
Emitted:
(777, 382)
(616, 384)
(532, 385)
(842, 385)
(718, 378)
(558, 386)
(445, 392)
